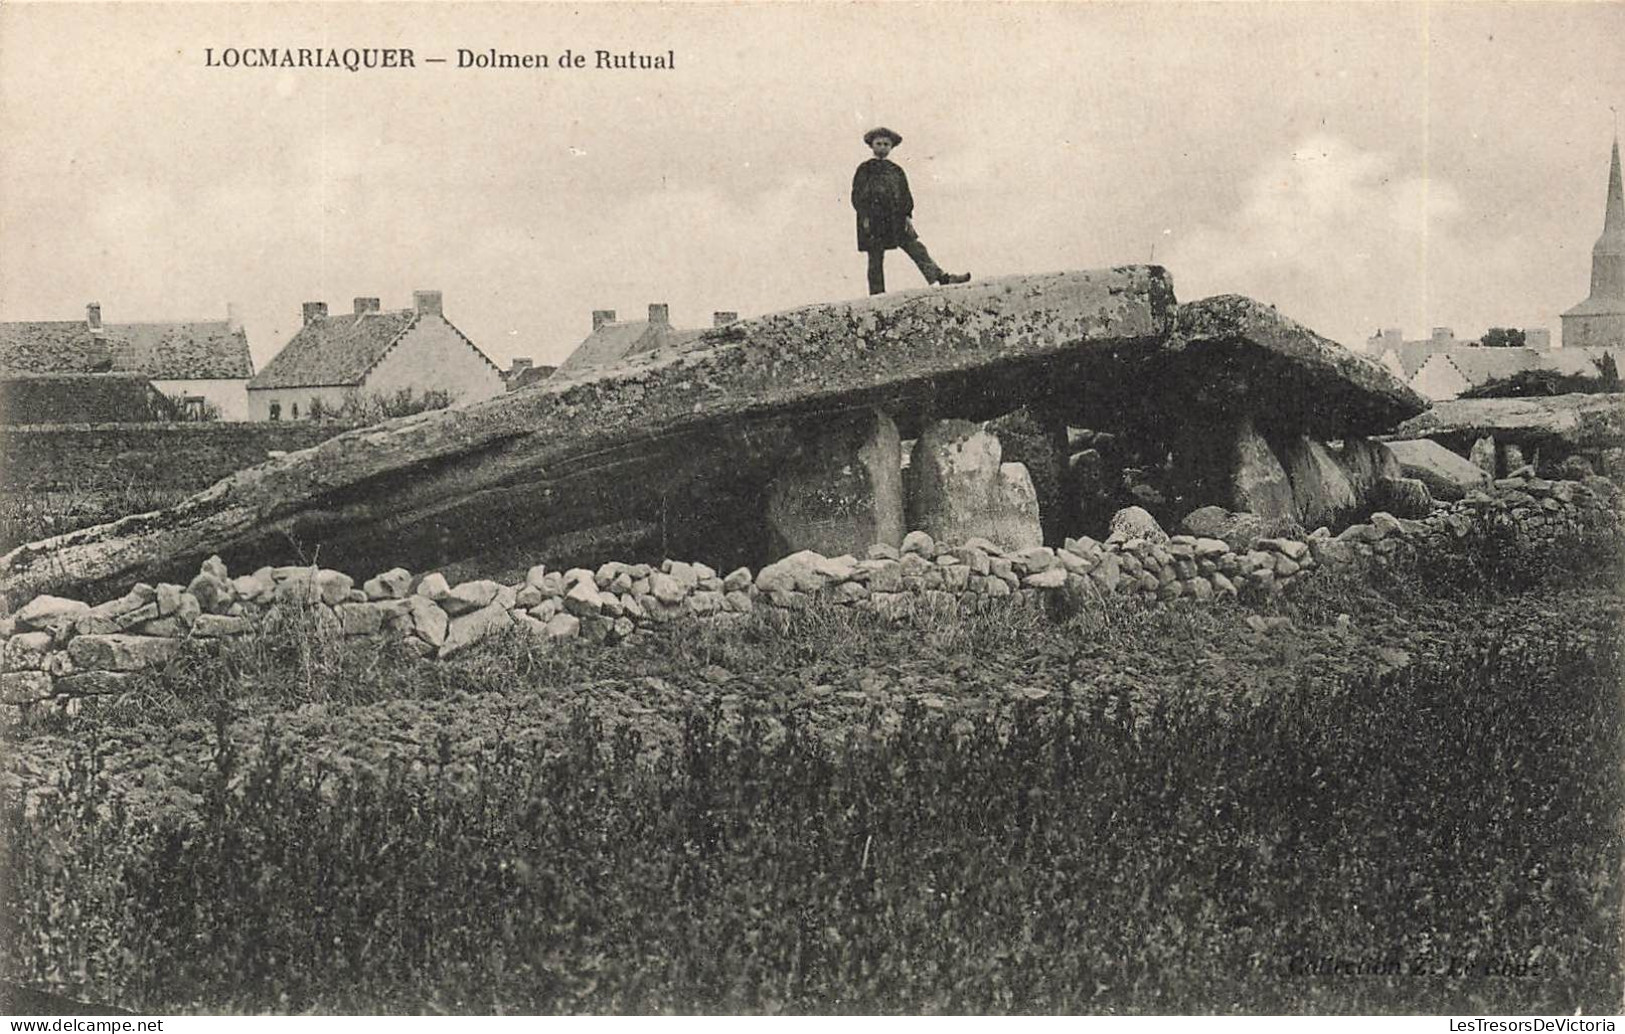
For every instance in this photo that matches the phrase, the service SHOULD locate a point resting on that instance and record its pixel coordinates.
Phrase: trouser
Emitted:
(914, 248)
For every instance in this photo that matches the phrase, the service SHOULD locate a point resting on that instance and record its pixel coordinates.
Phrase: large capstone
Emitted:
(1234, 353)
(956, 489)
(843, 492)
(1562, 424)
(626, 441)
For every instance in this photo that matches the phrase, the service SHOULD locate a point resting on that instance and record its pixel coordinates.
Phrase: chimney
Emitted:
(601, 317)
(234, 318)
(723, 317)
(315, 311)
(427, 303)
(659, 314)
(363, 305)
(93, 317)
(1444, 336)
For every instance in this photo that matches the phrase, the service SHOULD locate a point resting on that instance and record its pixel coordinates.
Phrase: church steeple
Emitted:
(1599, 321)
(1608, 255)
(1615, 218)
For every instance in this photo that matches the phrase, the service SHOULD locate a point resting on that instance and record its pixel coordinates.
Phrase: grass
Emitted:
(1135, 809)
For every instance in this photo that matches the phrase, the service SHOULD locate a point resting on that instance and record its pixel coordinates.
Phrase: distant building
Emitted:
(612, 341)
(1405, 359)
(371, 352)
(1443, 367)
(1447, 373)
(524, 372)
(198, 363)
(1600, 319)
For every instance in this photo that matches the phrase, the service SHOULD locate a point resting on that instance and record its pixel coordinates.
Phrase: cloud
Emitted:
(1341, 239)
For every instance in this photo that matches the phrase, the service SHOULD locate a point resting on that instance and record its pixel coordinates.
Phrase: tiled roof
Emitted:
(1580, 360)
(53, 346)
(334, 350)
(606, 346)
(81, 398)
(1598, 307)
(1413, 354)
(613, 342)
(1484, 364)
(160, 351)
(182, 351)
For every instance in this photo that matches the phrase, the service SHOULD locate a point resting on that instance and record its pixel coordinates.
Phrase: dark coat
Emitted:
(880, 195)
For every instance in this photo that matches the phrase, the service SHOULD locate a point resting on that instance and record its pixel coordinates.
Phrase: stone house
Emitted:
(524, 372)
(612, 341)
(200, 364)
(197, 363)
(1446, 374)
(1443, 367)
(370, 352)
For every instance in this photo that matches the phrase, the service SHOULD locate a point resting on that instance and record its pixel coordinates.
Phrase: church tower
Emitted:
(1600, 319)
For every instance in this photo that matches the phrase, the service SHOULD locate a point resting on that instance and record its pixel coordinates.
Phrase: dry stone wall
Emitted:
(62, 653)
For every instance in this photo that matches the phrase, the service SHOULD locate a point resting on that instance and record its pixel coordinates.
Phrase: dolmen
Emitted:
(801, 415)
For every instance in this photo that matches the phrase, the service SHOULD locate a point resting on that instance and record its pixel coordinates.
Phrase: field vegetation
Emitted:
(1395, 793)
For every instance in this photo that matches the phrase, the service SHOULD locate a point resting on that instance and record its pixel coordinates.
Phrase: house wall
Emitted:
(230, 396)
(1438, 379)
(1593, 331)
(432, 355)
(260, 401)
(1390, 359)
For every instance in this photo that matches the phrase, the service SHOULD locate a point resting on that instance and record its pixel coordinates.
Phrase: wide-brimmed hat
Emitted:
(880, 131)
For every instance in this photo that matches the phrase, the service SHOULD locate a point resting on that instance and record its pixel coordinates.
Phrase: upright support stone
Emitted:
(843, 493)
(1511, 458)
(956, 488)
(1036, 437)
(1366, 463)
(1483, 455)
(1224, 461)
(1321, 490)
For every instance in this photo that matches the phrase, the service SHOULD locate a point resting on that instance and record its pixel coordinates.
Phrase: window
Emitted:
(276, 411)
(296, 411)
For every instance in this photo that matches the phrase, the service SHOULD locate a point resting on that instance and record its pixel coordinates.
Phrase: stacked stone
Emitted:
(60, 652)
(1541, 512)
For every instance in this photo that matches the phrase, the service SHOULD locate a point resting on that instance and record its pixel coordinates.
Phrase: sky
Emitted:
(1357, 165)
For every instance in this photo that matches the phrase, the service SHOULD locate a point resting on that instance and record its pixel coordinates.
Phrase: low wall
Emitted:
(64, 654)
(109, 457)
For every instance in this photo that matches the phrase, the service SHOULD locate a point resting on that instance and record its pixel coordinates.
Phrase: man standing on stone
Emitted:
(885, 207)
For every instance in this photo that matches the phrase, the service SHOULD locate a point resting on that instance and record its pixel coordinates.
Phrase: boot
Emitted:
(954, 278)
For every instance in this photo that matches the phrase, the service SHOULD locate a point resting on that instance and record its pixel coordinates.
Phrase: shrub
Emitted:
(379, 406)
